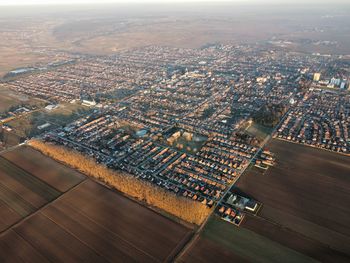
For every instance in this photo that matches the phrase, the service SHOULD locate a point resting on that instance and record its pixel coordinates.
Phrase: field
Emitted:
(27, 187)
(13, 57)
(305, 196)
(9, 138)
(304, 217)
(50, 213)
(205, 250)
(9, 98)
(293, 240)
(27, 125)
(21, 193)
(56, 175)
(209, 24)
(225, 242)
(259, 131)
(6, 102)
(93, 224)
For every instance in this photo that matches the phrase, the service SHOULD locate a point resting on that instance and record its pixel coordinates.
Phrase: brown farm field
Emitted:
(51, 213)
(293, 240)
(91, 223)
(221, 241)
(28, 181)
(21, 193)
(305, 197)
(205, 250)
(51, 172)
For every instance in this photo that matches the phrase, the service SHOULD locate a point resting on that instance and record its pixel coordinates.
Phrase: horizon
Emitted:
(12, 3)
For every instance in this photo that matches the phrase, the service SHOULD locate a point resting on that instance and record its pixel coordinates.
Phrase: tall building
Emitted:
(335, 82)
(343, 85)
(317, 76)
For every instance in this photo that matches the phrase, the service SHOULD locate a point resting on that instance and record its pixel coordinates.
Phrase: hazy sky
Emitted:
(33, 2)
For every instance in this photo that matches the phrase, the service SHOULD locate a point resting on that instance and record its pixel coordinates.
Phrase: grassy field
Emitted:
(27, 125)
(306, 193)
(259, 131)
(9, 98)
(223, 241)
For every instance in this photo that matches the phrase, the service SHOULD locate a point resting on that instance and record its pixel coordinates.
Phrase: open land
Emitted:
(293, 240)
(29, 40)
(56, 175)
(307, 192)
(25, 189)
(28, 124)
(190, 30)
(238, 244)
(303, 218)
(88, 222)
(10, 99)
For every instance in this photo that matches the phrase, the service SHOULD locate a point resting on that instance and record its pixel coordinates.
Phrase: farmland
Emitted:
(304, 217)
(305, 197)
(227, 243)
(56, 175)
(21, 193)
(93, 224)
(52, 213)
(293, 240)
(28, 181)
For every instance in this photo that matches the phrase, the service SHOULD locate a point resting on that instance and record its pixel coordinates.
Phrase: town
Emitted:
(193, 120)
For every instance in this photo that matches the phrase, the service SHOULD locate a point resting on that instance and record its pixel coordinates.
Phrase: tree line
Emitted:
(183, 208)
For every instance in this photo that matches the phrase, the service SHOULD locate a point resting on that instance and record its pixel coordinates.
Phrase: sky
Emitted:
(54, 2)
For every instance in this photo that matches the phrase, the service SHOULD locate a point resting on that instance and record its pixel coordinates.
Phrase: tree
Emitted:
(186, 209)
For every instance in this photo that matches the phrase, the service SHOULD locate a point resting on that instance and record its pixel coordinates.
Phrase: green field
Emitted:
(259, 131)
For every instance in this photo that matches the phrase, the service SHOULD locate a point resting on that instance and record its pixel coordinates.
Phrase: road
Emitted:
(202, 226)
(11, 148)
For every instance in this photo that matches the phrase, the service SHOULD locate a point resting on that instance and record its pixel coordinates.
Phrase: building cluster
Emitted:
(202, 175)
(175, 116)
(335, 82)
(234, 206)
(87, 79)
(321, 119)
